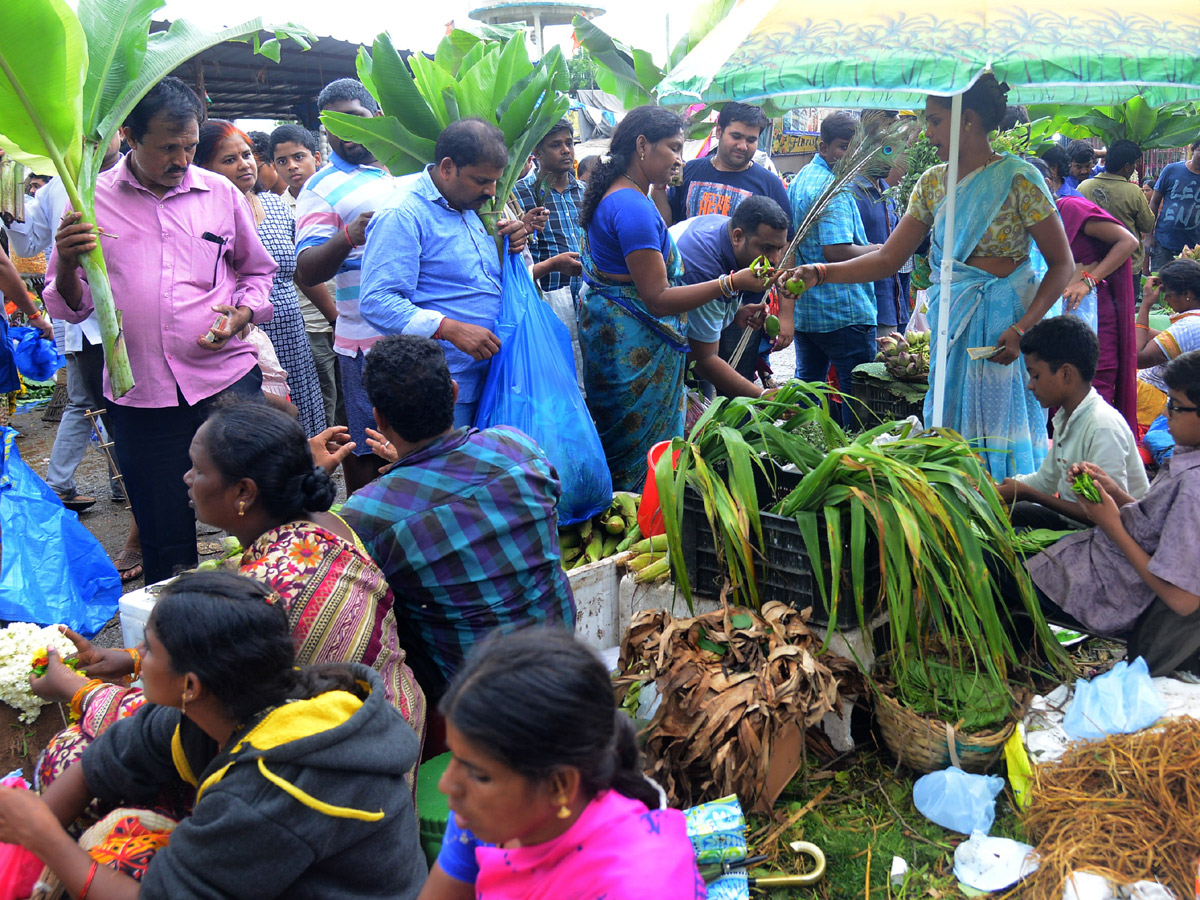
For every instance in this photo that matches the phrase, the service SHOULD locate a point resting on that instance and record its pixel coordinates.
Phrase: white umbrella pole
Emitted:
(947, 268)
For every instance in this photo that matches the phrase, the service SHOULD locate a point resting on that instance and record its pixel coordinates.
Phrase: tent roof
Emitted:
(244, 85)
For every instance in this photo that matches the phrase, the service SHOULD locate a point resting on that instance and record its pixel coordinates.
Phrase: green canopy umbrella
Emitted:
(874, 54)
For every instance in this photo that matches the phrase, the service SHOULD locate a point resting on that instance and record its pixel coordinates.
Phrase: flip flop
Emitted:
(129, 564)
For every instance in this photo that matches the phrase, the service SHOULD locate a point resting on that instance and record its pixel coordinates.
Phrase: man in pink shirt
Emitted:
(188, 272)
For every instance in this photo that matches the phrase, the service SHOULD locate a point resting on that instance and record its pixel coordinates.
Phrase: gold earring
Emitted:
(242, 508)
(564, 811)
(182, 703)
(643, 156)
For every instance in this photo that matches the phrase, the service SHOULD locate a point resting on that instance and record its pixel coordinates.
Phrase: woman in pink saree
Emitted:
(546, 792)
(1102, 247)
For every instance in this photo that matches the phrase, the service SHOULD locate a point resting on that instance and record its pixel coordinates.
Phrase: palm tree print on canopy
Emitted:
(803, 54)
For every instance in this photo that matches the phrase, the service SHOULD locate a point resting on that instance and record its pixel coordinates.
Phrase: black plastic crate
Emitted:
(785, 575)
(885, 405)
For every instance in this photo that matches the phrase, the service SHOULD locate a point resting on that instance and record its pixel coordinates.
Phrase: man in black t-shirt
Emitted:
(717, 184)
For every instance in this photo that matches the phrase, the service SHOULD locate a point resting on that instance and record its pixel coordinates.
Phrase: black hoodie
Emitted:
(308, 801)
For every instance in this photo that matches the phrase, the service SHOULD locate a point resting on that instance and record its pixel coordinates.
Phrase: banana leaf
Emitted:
(468, 77)
(71, 81)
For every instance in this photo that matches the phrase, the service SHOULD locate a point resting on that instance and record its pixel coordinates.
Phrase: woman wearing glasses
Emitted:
(1135, 572)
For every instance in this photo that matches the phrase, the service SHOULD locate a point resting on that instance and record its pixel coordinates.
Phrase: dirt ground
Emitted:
(108, 520)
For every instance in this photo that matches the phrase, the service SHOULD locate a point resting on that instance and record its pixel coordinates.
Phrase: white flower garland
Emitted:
(18, 643)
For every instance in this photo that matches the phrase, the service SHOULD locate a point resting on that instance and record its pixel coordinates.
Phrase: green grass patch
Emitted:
(868, 814)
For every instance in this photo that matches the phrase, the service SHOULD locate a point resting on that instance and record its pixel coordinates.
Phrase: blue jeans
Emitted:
(844, 349)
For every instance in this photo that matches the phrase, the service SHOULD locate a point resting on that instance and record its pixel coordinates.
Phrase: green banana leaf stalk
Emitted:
(469, 77)
(70, 82)
(921, 505)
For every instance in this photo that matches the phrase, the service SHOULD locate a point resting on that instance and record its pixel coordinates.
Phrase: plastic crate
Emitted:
(885, 405)
(785, 575)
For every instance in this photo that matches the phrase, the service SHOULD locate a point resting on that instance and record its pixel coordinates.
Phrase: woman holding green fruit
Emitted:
(1003, 208)
(253, 475)
(633, 311)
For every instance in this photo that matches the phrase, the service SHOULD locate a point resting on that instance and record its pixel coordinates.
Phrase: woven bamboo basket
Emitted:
(58, 400)
(929, 745)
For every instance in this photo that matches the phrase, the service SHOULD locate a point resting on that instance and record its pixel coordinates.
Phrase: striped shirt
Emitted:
(828, 307)
(561, 234)
(466, 533)
(329, 201)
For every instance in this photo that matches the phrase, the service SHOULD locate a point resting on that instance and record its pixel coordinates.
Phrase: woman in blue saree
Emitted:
(633, 310)
(1003, 209)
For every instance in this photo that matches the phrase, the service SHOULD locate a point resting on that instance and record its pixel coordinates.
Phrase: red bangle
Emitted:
(346, 232)
(437, 335)
(88, 884)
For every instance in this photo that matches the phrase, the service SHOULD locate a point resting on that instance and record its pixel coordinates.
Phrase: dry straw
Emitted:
(1127, 807)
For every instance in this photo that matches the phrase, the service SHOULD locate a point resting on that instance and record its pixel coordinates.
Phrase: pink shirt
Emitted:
(166, 278)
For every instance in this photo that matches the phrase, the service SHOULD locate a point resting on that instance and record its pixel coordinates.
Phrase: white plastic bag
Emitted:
(958, 800)
(1121, 701)
(993, 863)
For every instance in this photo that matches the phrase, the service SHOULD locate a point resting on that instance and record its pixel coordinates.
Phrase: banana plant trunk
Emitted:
(112, 335)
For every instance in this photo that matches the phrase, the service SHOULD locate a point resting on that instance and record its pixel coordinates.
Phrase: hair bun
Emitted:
(318, 490)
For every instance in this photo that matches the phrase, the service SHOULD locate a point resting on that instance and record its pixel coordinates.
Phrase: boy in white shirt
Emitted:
(1061, 354)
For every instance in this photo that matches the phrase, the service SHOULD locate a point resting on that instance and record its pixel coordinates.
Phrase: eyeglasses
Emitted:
(1173, 407)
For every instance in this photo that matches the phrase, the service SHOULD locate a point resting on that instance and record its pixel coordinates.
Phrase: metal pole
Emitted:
(947, 270)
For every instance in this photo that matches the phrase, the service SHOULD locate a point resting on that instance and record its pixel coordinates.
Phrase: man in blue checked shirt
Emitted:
(835, 323)
(554, 187)
(463, 524)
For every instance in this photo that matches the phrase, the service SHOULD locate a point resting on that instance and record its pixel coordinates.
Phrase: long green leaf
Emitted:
(616, 70)
(43, 58)
(118, 33)
(400, 151)
(397, 92)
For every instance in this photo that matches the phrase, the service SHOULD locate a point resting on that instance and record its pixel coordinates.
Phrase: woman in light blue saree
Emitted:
(1003, 210)
(633, 309)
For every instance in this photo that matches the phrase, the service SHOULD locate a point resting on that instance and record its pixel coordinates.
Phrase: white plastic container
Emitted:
(135, 610)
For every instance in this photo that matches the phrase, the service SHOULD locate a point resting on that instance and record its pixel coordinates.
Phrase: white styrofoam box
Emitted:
(595, 590)
(135, 611)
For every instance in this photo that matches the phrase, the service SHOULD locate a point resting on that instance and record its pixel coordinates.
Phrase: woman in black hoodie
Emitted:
(299, 773)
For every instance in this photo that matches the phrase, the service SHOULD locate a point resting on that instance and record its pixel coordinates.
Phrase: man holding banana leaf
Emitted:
(188, 272)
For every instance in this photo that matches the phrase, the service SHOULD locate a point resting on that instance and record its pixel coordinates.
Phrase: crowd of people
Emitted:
(288, 314)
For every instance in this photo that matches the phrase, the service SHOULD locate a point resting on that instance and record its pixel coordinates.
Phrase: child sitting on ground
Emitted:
(1137, 567)
(1061, 355)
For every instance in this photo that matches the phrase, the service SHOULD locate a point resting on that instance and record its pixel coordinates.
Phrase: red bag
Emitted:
(19, 871)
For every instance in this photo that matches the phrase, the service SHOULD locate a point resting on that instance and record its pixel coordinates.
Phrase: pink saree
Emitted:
(616, 850)
(1116, 375)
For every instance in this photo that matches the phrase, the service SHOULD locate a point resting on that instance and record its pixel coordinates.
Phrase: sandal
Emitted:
(129, 564)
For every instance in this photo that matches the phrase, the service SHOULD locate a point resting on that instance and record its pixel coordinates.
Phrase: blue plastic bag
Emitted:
(532, 386)
(1121, 701)
(1158, 440)
(52, 570)
(1087, 310)
(958, 800)
(37, 358)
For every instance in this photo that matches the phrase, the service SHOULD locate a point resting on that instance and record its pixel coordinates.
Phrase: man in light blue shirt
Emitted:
(430, 267)
(835, 323)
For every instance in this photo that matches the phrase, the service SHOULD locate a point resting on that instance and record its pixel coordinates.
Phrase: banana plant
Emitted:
(469, 77)
(70, 82)
(1164, 127)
